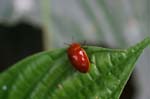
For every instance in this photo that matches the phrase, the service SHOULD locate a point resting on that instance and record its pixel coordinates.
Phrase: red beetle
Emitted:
(78, 57)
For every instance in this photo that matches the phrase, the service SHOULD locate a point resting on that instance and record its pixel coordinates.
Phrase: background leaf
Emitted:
(49, 75)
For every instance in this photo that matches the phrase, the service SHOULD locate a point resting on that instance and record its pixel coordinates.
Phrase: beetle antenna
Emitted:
(67, 44)
(83, 42)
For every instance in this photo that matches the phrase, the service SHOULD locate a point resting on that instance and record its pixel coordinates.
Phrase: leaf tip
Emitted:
(141, 46)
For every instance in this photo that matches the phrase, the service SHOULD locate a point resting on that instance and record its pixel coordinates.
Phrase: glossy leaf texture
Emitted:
(49, 75)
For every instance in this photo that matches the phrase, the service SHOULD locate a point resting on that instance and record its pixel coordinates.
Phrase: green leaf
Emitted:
(49, 75)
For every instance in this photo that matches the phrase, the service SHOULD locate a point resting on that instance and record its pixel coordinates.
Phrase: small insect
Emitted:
(78, 57)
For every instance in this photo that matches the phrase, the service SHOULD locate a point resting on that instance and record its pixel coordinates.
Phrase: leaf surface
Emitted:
(49, 75)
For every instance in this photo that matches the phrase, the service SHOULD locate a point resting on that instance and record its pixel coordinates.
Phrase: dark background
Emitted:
(17, 42)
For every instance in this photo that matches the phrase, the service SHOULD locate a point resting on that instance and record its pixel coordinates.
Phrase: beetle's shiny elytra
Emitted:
(78, 58)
